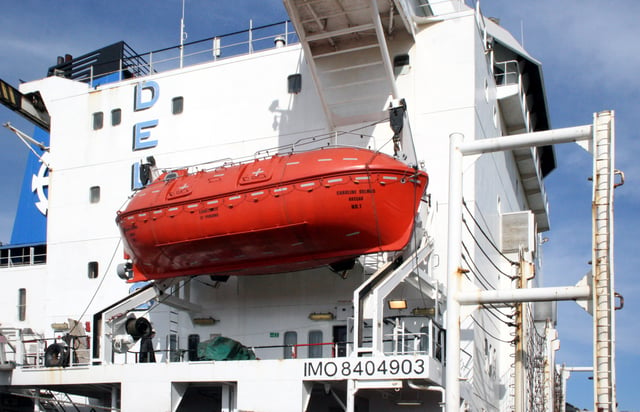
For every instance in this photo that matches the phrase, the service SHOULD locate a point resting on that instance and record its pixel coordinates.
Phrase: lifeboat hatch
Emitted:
(256, 172)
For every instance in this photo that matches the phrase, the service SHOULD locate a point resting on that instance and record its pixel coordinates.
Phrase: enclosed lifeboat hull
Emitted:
(280, 214)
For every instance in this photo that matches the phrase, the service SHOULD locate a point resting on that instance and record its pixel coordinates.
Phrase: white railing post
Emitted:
(250, 36)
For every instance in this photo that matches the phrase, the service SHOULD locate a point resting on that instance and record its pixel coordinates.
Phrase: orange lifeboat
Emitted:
(279, 214)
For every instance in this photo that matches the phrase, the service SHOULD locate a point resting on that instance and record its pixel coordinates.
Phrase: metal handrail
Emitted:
(25, 256)
(169, 58)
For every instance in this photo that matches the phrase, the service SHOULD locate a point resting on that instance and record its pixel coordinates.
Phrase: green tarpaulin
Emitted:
(222, 348)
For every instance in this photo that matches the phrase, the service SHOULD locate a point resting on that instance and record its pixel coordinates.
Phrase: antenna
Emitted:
(183, 35)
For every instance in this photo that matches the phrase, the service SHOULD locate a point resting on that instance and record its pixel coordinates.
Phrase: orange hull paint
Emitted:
(284, 213)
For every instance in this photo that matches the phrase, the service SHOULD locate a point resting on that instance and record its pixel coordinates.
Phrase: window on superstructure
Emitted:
(192, 348)
(401, 64)
(294, 83)
(22, 304)
(92, 270)
(177, 105)
(98, 120)
(290, 340)
(172, 345)
(94, 194)
(116, 117)
(315, 341)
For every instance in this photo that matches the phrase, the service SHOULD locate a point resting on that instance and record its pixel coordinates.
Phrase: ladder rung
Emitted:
(343, 51)
(341, 32)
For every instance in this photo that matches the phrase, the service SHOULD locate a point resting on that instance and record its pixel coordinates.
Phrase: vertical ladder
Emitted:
(602, 261)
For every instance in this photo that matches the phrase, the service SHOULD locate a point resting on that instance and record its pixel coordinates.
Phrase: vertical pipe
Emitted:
(250, 36)
(114, 398)
(452, 368)
(286, 33)
(351, 395)
(182, 35)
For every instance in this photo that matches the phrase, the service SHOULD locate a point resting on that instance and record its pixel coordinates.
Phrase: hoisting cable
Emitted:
(485, 253)
(497, 317)
(479, 273)
(479, 276)
(104, 276)
(487, 332)
(487, 236)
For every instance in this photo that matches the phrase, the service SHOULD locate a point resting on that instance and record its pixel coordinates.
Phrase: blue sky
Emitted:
(590, 52)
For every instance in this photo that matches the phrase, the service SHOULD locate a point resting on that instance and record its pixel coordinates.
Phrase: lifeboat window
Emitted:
(98, 120)
(177, 105)
(170, 176)
(290, 340)
(116, 117)
(315, 343)
(92, 270)
(22, 304)
(294, 83)
(94, 194)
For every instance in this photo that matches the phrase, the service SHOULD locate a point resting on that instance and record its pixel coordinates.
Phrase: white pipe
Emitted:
(519, 141)
(454, 252)
(524, 295)
(578, 368)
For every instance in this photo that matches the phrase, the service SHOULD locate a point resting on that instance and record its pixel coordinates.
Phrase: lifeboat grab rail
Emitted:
(267, 153)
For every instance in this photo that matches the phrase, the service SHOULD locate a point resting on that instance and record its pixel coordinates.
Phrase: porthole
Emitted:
(177, 105)
(116, 117)
(98, 120)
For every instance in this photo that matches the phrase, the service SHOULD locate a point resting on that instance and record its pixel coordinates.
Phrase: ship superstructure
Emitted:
(397, 78)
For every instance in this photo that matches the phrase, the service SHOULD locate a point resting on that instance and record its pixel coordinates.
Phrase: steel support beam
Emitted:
(457, 150)
(524, 295)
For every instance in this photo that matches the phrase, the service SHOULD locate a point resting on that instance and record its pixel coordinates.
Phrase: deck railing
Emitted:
(30, 351)
(224, 46)
(23, 256)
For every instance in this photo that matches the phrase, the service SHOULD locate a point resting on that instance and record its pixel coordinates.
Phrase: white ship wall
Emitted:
(228, 113)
